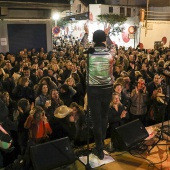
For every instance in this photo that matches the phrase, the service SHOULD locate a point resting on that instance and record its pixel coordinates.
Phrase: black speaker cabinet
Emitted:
(128, 135)
(52, 155)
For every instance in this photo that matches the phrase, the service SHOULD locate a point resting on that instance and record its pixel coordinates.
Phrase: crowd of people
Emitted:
(44, 94)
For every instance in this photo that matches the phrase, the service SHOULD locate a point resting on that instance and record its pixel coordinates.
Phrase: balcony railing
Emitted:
(156, 15)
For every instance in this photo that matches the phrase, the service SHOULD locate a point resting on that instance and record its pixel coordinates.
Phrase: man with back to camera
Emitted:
(100, 85)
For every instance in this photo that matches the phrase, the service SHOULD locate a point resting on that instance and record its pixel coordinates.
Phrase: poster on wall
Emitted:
(3, 41)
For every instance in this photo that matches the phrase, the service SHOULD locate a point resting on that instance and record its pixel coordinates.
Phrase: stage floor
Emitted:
(158, 158)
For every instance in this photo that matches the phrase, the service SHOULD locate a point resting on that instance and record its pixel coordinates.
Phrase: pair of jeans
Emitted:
(98, 101)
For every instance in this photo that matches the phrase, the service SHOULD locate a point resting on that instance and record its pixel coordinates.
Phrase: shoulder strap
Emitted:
(3, 130)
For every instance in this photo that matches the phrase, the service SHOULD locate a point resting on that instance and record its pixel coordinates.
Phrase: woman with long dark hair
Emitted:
(77, 122)
(45, 80)
(55, 102)
(43, 98)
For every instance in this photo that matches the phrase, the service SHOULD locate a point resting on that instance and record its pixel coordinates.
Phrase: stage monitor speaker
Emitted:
(128, 135)
(52, 155)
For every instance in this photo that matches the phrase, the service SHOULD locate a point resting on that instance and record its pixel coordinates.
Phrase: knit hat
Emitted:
(99, 36)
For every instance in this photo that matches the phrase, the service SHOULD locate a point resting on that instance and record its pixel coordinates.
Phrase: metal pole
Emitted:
(134, 37)
(147, 7)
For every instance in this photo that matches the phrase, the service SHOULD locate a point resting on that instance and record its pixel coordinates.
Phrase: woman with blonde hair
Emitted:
(79, 96)
(117, 116)
(22, 90)
(70, 81)
(117, 112)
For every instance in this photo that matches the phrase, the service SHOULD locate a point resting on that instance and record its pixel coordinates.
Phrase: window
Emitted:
(79, 8)
(110, 9)
(122, 11)
(128, 12)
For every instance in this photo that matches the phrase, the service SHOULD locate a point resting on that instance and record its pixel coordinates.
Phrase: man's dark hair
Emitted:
(25, 68)
(99, 36)
(23, 103)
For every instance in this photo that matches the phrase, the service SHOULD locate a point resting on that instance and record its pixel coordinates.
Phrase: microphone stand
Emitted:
(88, 167)
(162, 125)
(162, 109)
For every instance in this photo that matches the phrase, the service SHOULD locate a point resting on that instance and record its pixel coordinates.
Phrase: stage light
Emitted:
(56, 17)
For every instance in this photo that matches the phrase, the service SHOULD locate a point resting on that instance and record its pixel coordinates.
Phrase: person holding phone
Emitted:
(139, 98)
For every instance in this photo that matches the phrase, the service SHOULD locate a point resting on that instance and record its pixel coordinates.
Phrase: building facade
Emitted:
(147, 32)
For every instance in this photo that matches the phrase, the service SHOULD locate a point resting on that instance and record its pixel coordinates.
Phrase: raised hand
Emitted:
(136, 90)
(107, 29)
(86, 29)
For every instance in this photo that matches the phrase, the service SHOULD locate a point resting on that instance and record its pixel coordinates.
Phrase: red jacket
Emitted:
(37, 130)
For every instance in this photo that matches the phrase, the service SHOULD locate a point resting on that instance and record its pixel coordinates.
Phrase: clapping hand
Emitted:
(86, 29)
(132, 65)
(107, 29)
(137, 91)
(144, 89)
(123, 114)
(44, 119)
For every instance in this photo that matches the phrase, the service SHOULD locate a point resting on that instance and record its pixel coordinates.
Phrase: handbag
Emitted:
(5, 139)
